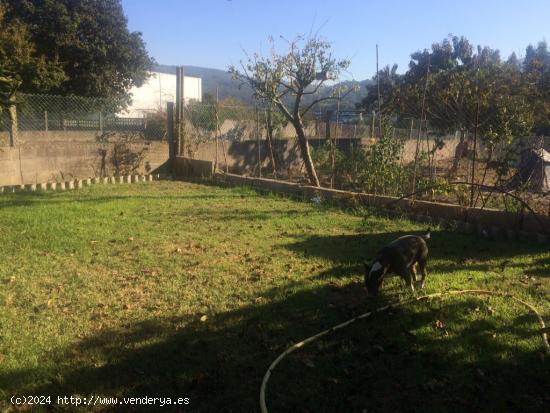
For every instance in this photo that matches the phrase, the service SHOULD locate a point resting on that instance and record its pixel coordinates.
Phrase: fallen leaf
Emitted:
(439, 324)
(204, 318)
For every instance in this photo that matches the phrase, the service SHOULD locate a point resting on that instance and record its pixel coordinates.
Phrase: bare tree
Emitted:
(288, 80)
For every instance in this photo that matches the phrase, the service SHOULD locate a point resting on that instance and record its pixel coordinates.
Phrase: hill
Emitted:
(228, 87)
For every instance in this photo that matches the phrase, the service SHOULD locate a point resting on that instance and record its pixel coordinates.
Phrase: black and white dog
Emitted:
(400, 258)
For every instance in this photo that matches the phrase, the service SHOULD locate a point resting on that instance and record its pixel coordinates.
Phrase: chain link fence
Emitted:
(478, 157)
(47, 113)
(421, 149)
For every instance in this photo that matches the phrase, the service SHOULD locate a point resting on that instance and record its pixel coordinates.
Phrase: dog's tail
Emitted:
(428, 234)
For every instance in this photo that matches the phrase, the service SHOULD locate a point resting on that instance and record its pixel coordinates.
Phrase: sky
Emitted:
(216, 33)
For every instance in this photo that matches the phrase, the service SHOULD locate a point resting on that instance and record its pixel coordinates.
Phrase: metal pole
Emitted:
(179, 106)
(422, 118)
(170, 131)
(474, 155)
(181, 134)
(259, 148)
(46, 120)
(379, 103)
(216, 133)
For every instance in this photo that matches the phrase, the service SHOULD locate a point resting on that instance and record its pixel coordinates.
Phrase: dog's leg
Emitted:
(403, 270)
(409, 280)
(413, 272)
(422, 266)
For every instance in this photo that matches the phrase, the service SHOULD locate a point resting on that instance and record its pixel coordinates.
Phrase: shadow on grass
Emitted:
(449, 252)
(385, 363)
(29, 199)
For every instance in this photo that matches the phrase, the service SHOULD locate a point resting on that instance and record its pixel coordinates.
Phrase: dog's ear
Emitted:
(367, 267)
(428, 233)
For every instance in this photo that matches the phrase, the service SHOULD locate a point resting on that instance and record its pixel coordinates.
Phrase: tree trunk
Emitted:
(12, 116)
(306, 156)
(269, 129)
(459, 152)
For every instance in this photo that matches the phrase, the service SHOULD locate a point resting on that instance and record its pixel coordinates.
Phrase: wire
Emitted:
(296, 346)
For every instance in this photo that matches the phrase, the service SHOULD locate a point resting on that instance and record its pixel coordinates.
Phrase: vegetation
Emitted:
(456, 89)
(185, 290)
(87, 44)
(21, 64)
(299, 72)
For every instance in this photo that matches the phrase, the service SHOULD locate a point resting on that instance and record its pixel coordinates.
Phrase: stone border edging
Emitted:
(77, 183)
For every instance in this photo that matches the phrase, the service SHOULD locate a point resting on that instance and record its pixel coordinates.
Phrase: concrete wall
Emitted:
(30, 137)
(242, 156)
(61, 155)
(187, 168)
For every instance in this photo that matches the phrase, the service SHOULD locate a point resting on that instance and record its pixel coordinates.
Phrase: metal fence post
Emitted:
(100, 122)
(327, 124)
(179, 106)
(258, 141)
(170, 132)
(46, 120)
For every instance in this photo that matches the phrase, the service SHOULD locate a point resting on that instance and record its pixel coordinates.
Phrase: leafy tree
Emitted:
(460, 89)
(390, 81)
(89, 39)
(290, 76)
(536, 67)
(274, 121)
(20, 64)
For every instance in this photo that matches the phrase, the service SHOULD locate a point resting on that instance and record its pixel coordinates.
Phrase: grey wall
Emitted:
(242, 157)
(56, 156)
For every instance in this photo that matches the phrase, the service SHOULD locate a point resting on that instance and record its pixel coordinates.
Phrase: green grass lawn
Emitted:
(186, 290)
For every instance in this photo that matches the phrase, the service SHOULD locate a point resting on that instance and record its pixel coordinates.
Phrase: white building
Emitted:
(159, 89)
